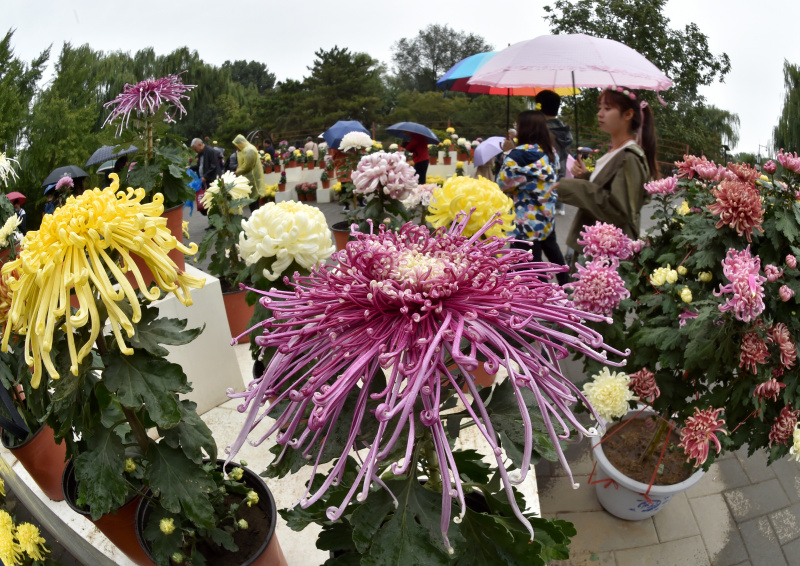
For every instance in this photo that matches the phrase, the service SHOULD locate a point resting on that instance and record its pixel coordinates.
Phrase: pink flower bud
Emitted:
(770, 167)
(785, 292)
(791, 261)
(772, 272)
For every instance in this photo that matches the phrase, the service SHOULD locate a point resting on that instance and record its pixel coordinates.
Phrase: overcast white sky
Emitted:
(284, 35)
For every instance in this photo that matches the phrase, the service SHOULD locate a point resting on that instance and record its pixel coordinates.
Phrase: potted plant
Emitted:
(433, 154)
(282, 182)
(311, 192)
(462, 147)
(107, 391)
(269, 194)
(394, 397)
(225, 200)
(711, 296)
(325, 179)
(267, 162)
(310, 160)
(145, 111)
(459, 168)
(446, 145)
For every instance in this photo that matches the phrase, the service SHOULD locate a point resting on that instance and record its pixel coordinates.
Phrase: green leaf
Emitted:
(140, 379)
(100, 473)
(471, 466)
(191, 434)
(152, 331)
(180, 483)
(336, 537)
(224, 539)
(368, 518)
(491, 539)
(413, 535)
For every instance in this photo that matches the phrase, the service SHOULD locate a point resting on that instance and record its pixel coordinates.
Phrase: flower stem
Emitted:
(431, 463)
(655, 441)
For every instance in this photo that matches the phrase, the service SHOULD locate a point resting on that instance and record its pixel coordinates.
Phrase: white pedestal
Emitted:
(209, 361)
(324, 195)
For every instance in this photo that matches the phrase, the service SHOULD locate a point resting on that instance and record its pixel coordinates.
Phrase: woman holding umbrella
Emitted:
(418, 146)
(18, 199)
(614, 192)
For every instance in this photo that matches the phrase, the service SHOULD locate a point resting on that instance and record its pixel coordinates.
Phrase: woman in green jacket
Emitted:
(614, 191)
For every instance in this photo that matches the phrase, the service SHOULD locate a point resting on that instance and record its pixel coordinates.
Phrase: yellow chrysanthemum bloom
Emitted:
(682, 270)
(235, 187)
(609, 394)
(659, 276)
(459, 164)
(309, 153)
(78, 248)
(2, 487)
(447, 143)
(451, 130)
(267, 157)
(298, 153)
(185, 228)
(9, 548)
(461, 194)
(337, 187)
(31, 541)
(686, 295)
(683, 209)
(9, 228)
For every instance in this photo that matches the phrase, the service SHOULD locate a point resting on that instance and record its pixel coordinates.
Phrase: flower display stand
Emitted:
(324, 195)
(208, 361)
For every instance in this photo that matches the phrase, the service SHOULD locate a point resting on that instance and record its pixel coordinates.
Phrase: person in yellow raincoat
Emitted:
(249, 165)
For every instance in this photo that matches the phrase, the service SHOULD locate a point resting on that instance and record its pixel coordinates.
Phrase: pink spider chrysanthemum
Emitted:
(769, 389)
(746, 285)
(605, 240)
(146, 98)
(783, 427)
(753, 351)
(789, 160)
(744, 172)
(410, 302)
(698, 432)
(781, 336)
(643, 383)
(738, 206)
(598, 288)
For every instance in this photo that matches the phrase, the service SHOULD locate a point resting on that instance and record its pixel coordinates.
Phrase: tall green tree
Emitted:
(342, 86)
(17, 87)
(786, 134)
(419, 61)
(684, 55)
(251, 73)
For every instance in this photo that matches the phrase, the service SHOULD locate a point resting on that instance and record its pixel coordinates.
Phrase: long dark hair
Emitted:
(641, 117)
(532, 128)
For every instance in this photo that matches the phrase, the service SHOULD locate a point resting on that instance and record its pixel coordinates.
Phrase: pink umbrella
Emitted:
(575, 60)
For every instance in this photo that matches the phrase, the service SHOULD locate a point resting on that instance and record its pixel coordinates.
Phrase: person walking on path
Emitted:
(550, 103)
(312, 147)
(418, 146)
(614, 191)
(249, 166)
(207, 162)
(529, 172)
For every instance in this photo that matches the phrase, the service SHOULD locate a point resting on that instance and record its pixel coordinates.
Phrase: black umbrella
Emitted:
(67, 171)
(402, 129)
(107, 152)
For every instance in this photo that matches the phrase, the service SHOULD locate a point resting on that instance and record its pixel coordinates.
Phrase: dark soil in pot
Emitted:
(624, 448)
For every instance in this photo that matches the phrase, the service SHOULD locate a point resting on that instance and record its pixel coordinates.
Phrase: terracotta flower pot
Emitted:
(463, 156)
(448, 160)
(326, 184)
(238, 312)
(433, 160)
(119, 527)
(276, 168)
(43, 459)
(267, 170)
(292, 163)
(311, 197)
(268, 553)
(282, 187)
(341, 233)
(311, 164)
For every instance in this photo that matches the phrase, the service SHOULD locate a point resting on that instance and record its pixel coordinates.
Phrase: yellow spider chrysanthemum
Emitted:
(461, 194)
(2, 487)
(235, 187)
(80, 248)
(9, 549)
(31, 541)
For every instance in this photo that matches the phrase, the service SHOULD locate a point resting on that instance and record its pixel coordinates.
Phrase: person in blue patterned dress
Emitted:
(529, 173)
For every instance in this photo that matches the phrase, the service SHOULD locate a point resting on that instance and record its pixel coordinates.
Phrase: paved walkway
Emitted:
(742, 512)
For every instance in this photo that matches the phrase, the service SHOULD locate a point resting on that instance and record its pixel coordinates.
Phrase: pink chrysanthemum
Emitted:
(387, 171)
(791, 261)
(664, 186)
(770, 167)
(698, 432)
(746, 285)
(753, 351)
(786, 293)
(783, 427)
(769, 389)
(780, 335)
(744, 172)
(707, 170)
(790, 161)
(773, 272)
(410, 302)
(605, 240)
(738, 206)
(643, 383)
(598, 288)
(637, 246)
(686, 168)
(686, 315)
(147, 97)
(65, 182)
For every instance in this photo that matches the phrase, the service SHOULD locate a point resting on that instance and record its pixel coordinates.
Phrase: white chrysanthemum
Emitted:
(9, 228)
(461, 141)
(389, 171)
(794, 450)
(421, 194)
(288, 231)
(609, 394)
(7, 168)
(236, 187)
(358, 140)
(393, 147)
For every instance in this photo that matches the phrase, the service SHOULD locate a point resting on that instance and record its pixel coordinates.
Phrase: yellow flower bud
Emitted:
(251, 498)
(682, 270)
(130, 465)
(236, 474)
(705, 276)
(177, 558)
(672, 275)
(167, 526)
(243, 524)
(686, 295)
